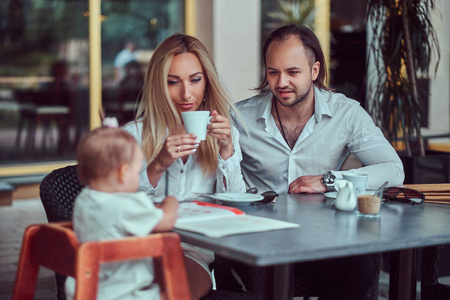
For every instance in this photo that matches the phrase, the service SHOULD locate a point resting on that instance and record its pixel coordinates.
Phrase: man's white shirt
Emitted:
(338, 126)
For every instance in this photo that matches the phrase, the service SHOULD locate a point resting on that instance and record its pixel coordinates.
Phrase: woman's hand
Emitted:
(174, 147)
(220, 129)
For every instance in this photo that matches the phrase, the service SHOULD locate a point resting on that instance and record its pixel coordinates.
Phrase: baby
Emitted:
(109, 162)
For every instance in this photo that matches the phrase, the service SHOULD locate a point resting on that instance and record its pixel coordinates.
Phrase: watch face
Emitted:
(328, 178)
(328, 181)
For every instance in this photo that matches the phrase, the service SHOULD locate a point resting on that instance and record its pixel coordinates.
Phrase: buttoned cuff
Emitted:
(145, 185)
(226, 169)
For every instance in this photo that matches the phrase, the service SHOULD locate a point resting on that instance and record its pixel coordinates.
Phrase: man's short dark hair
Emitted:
(312, 47)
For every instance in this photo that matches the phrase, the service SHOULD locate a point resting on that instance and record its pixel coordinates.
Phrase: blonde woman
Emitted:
(182, 77)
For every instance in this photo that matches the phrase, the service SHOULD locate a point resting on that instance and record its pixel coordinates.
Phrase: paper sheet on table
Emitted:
(218, 221)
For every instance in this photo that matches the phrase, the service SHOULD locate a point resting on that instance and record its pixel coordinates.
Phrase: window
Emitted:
(44, 70)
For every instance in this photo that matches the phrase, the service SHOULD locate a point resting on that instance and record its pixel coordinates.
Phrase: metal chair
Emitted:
(44, 107)
(56, 247)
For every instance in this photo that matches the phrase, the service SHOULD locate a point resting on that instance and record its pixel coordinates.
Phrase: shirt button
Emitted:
(152, 193)
(181, 171)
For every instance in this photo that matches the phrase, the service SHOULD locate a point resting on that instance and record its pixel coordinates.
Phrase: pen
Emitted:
(167, 184)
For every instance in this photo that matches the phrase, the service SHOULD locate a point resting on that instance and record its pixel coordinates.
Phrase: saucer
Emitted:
(331, 194)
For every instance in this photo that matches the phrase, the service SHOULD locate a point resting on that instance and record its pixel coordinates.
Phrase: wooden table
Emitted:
(327, 233)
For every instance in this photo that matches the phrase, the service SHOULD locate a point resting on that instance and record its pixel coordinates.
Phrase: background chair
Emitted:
(56, 247)
(431, 289)
(50, 105)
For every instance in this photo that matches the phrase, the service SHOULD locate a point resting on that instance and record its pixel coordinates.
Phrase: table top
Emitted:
(325, 232)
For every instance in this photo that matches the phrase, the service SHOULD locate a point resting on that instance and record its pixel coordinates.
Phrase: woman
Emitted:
(182, 77)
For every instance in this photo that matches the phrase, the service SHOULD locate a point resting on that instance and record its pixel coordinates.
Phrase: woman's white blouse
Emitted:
(184, 180)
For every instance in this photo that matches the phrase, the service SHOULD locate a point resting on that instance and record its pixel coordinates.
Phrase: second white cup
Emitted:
(196, 122)
(358, 180)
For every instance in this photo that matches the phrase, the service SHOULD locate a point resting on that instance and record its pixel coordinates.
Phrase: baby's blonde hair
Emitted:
(103, 150)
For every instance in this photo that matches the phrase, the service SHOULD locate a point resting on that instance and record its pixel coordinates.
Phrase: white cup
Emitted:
(196, 122)
(358, 180)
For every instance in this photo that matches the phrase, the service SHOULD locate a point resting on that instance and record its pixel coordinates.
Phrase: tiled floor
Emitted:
(13, 221)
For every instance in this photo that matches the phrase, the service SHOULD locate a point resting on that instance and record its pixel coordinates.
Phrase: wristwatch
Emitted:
(328, 181)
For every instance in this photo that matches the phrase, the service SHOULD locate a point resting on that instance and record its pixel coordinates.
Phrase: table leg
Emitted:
(279, 284)
(403, 275)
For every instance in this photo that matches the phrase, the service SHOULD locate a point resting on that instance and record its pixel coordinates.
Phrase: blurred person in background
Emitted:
(125, 56)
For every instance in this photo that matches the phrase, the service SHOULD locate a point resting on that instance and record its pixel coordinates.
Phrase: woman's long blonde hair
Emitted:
(157, 110)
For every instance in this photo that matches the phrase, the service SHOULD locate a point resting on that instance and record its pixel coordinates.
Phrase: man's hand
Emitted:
(307, 184)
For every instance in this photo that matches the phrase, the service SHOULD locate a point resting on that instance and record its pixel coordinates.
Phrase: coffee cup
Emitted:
(358, 180)
(368, 202)
(196, 122)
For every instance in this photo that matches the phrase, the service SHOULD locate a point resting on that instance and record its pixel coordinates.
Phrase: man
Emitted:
(300, 131)
(300, 135)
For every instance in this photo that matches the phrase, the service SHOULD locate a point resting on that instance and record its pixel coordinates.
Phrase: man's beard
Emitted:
(297, 100)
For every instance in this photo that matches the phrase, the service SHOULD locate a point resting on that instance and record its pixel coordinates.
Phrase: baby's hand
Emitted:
(170, 201)
(170, 208)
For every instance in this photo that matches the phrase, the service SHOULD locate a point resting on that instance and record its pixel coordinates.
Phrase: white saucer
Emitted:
(331, 194)
(237, 199)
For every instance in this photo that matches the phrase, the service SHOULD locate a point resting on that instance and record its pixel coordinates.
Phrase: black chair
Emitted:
(58, 191)
(430, 288)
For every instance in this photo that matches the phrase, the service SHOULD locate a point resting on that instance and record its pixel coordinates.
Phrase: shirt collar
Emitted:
(265, 110)
(321, 106)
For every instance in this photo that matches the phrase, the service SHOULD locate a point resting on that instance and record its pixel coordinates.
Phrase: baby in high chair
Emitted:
(109, 207)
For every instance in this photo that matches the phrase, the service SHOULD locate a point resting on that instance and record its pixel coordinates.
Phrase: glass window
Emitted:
(44, 69)
(130, 32)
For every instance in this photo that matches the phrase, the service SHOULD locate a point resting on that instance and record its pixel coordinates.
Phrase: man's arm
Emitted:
(379, 159)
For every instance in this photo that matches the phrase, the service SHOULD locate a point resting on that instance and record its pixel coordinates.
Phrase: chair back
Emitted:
(58, 191)
(56, 247)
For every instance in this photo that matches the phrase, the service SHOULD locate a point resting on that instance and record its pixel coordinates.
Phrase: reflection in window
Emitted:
(130, 32)
(44, 69)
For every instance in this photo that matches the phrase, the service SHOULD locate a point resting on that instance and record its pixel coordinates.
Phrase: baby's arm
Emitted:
(169, 207)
